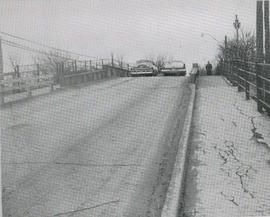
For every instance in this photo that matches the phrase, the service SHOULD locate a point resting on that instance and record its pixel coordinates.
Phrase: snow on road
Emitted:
(229, 169)
(101, 150)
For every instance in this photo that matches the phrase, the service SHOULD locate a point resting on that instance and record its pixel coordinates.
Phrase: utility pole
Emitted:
(226, 47)
(267, 50)
(267, 34)
(237, 25)
(1, 62)
(259, 51)
(259, 32)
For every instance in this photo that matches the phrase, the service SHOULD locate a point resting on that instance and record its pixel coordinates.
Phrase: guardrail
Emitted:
(252, 78)
(78, 77)
(30, 77)
(24, 84)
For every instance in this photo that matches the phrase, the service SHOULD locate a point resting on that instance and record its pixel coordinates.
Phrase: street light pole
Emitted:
(202, 35)
(1, 62)
(237, 25)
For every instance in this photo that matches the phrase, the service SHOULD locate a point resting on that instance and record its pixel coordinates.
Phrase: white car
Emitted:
(174, 68)
(144, 67)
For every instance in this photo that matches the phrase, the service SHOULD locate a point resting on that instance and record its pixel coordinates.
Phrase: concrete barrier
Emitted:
(93, 75)
(21, 85)
(174, 196)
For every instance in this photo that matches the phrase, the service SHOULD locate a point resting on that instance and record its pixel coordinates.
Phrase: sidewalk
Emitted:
(229, 165)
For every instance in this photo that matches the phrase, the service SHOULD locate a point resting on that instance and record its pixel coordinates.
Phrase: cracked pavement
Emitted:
(99, 150)
(229, 164)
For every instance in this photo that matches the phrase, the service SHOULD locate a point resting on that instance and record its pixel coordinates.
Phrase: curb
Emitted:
(173, 201)
(227, 81)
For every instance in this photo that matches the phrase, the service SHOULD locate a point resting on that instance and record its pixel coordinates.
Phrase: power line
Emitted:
(23, 47)
(43, 45)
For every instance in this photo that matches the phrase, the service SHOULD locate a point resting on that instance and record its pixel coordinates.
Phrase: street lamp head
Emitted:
(236, 23)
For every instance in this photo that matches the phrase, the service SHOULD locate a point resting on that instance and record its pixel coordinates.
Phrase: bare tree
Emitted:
(14, 61)
(246, 48)
(120, 60)
(159, 60)
(50, 63)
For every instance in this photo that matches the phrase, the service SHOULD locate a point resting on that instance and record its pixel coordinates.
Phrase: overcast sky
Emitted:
(133, 29)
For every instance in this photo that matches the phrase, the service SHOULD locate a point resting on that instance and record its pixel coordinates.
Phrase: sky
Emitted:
(132, 29)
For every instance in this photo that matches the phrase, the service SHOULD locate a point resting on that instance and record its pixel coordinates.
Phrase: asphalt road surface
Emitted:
(105, 149)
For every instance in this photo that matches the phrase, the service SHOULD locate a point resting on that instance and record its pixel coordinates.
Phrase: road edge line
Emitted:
(174, 195)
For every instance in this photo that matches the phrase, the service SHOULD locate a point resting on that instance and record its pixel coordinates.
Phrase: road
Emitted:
(100, 150)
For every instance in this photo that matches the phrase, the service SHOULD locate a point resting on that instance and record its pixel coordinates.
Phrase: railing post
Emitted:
(247, 82)
(29, 91)
(2, 100)
(258, 86)
(62, 75)
(75, 66)
(38, 72)
(237, 75)
(232, 74)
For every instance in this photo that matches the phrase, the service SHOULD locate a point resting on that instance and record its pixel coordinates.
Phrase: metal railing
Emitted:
(252, 78)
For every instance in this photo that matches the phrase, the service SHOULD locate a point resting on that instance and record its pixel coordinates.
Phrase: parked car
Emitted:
(174, 68)
(144, 67)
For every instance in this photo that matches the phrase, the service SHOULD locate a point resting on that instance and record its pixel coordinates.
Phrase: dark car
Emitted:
(174, 68)
(144, 67)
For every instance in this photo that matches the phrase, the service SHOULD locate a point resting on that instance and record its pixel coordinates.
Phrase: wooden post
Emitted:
(102, 63)
(112, 61)
(267, 52)
(90, 65)
(1, 62)
(259, 51)
(1, 73)
(17, 75)
(75, 66)
(267, 33)
(258, 86)
(61, 73)
(247, 87)
(38, 72)
(236, 66)
(259, 32)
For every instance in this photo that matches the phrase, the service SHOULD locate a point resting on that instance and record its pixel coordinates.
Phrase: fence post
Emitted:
(2, 101)
(258, 86)
(90, 65)
(238, 76)
(62, 76)
(38, 72)
(112, 61)
(85, 66)
(75, 66)
(247, 82)
(232, 74)
(17, 75)
(1, 62)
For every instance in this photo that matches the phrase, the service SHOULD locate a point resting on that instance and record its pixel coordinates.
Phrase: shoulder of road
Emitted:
(229, 164)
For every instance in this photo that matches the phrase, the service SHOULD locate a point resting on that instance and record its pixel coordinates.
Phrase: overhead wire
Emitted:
(23, 47)
(44, 45)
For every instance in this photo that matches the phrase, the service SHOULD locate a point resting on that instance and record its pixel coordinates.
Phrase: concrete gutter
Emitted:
(174, 196)
(227, 81)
